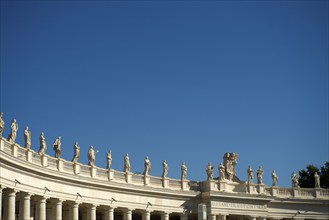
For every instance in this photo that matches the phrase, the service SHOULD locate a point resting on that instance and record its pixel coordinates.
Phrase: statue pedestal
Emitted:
(44, 160)
(146, 180)
(295, 191)
(128, 177)
(76, 168)
(29, 155)
(260, 188)
(2, 144)
(14, 150)
(59, 164)
(222, 185)
(165, 182)
(251, 188)
(184, 185)
(110, 174)
(92, 171)
(274, 190)
(210, 185)
(230, 186)
(317, 192)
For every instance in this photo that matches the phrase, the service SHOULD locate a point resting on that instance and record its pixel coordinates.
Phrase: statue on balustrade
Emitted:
(209, 171)
(260, 175)
(57, 147)
(91, 156)
(13, 132)
(43, 145)
(294, 180)
(184, 171)
(109, 159)
(221, 170)
(2, 124)
(165, 169)
(126, 167)
(147, 166)
(230, 162)
(27, 138)
(274, 178)
(76, 153)
(317, 180)
(250, 174)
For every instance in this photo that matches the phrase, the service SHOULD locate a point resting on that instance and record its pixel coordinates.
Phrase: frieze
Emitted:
(237, 205)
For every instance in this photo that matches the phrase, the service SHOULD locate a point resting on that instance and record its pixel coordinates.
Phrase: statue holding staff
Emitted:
(27, 138)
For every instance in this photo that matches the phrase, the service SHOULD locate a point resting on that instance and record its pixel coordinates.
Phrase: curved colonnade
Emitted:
(35, 186)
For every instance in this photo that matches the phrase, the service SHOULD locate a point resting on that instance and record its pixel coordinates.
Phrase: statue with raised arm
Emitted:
(250, 174)
(76, 154)
(274, 178)
(27, 138)
(260, 175)
(294, 180)
(91, 156)
(43, 145)
(165, 169)
(2, 124)
(13, 132)
(221, 170)
(109, 159)
(209, 171)
(126, 167)
(183, 171)
(57, 147)
(317, 180)
(147, 166)
(230, 162)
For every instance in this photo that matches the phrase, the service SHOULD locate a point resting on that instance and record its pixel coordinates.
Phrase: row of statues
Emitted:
(227, 171)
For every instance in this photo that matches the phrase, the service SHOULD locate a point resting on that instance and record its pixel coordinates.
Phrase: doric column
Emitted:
(58, 209)
(109, 213)
(24, 206)
(212, 217)
(146, 215)
(127, 215)
(165, 216)
(9, 205)
(40, 212)
(91, 212)
(184, 216)
(222, 217)
(75, 211)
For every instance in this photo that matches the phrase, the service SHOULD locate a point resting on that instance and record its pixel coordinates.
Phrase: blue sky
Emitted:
(175, 80)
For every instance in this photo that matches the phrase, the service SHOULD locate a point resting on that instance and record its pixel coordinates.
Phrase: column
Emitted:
(165, 216)
(146, 215)
(212, 217)
(0, 202)
(9, 205)
(184, 216)
(109, 213)
(75, 211)
(24, 206)
(222, 217)
(91, 212)
(58, 209)
(127, 215)
(40, 212)
(253, 218)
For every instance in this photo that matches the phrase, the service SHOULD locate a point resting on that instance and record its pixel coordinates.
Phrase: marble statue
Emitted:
(57, 147)
(165, 169)
(274, 178)
(221, 170)
(109, 159)
(2, 124)
(250, 174)
(209, 171)
(184, 171)
(91, 156)
(317, 180)
(260, 175)
(76, 154)
(126, 167)
(13, 132)
(147, 166)
(230, 161)
(294, 180)
(27, 138)
(43, 145)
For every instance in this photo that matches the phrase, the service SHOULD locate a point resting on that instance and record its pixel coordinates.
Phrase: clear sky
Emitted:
(175, 80)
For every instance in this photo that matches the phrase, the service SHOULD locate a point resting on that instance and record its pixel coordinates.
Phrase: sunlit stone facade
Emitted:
(34, 186)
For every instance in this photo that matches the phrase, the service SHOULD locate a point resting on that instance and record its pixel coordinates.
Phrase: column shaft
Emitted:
(127, 215)
(58, 210)
(9, 206)
(41, 209)
(109, 213)
(164, 216)
(146, 215)
(75, 211)
(24, 209)
(91, 212)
